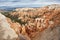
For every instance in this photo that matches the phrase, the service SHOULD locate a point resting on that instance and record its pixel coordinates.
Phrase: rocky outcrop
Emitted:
(6, 32)
(48, 34)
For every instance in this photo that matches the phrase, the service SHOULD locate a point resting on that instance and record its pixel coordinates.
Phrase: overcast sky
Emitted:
(15, 3)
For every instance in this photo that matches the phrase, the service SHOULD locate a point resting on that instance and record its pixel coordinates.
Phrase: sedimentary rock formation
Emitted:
(6, 32)
(36, 24)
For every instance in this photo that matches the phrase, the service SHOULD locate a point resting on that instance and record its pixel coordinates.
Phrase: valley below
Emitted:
(41, 23)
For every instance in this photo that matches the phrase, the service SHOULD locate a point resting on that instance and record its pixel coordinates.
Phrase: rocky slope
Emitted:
(36, 23)
(6, 32)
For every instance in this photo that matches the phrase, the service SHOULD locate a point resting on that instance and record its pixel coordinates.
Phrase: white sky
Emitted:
(14, 3)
